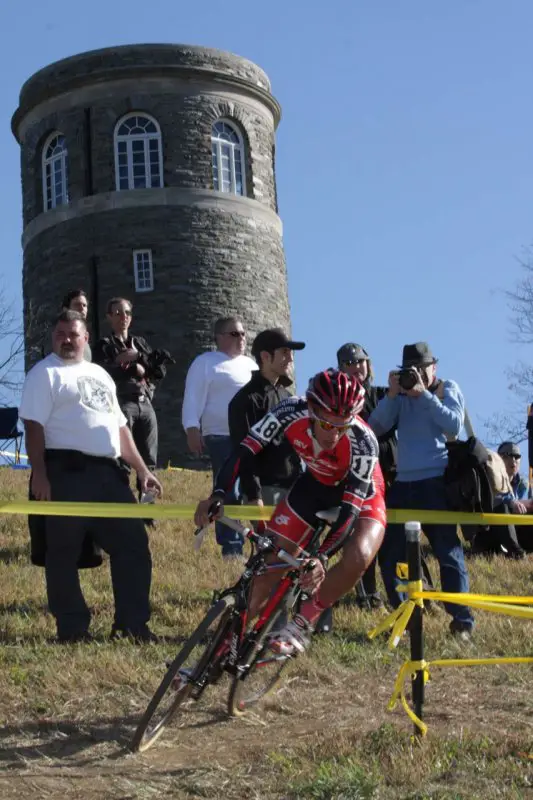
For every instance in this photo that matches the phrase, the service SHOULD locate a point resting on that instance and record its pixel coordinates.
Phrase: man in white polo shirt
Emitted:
(75, 432)
(212, 381)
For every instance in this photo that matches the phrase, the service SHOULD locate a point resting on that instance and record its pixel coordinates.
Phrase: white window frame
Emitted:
(218, 143)
(129, 139)
(48, 163)
(143, 284)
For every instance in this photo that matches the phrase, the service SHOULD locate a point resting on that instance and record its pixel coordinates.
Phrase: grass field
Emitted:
(68, 712)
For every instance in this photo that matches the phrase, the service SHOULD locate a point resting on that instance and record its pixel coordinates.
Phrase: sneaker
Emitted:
(461, 631)
(369, 602)
(141, 636)
(293, 639)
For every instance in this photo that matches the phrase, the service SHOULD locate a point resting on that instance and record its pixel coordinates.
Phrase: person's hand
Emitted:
(418, 389)
(140, 370)
(127, 356)
(394, 383)
(149, 483)
(40, 485)
(195, 441)
(201, 515)
(257, 502)
(518, 507)
(310, 581)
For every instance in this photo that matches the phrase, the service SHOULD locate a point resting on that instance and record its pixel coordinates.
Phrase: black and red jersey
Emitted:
(352, 464)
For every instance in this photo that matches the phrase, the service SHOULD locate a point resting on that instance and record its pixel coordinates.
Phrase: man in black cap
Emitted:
(427, 413)
(277, 468)
(353, 359)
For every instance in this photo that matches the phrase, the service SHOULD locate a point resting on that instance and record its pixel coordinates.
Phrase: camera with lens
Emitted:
(408, 377)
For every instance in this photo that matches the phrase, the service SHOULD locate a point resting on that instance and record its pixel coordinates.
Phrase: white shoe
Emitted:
(293, 638)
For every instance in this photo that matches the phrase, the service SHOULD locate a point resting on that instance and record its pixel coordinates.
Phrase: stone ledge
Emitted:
(137, 198)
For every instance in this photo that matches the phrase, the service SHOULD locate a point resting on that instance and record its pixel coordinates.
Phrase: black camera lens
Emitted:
(408, 378)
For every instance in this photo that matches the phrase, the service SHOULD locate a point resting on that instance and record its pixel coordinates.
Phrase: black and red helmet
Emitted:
(336, 392)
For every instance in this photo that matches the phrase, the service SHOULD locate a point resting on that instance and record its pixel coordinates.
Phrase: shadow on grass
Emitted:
(71, 742)
(9, 555)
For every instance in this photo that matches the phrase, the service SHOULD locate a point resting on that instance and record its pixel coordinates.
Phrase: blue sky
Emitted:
(404, 160)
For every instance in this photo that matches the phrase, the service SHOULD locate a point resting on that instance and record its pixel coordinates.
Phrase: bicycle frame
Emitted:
(241, 645)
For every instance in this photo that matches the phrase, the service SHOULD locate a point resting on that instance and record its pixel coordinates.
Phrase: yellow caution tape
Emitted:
(409, 668)
(173, 511)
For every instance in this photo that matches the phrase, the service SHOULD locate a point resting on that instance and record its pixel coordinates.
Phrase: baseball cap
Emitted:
(509, 449)
(272, 339)
(351, 352)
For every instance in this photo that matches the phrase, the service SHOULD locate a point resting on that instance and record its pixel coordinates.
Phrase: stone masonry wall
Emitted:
(206, 264)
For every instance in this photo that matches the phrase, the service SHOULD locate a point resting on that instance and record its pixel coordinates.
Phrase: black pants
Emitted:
(499, 539)
(125, 541)
(142, 422)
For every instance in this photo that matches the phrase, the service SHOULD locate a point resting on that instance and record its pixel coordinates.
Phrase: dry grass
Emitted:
(68, 712)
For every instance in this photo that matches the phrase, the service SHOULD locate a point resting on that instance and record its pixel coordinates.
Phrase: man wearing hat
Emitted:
(427, 412)
(277, 468)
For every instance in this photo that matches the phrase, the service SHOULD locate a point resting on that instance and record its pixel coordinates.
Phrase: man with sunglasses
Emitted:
(342, 469)
(509, 540)
(213, 379)
(127, 359)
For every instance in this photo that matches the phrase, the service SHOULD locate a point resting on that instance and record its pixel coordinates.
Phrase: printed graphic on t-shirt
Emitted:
(95, 394)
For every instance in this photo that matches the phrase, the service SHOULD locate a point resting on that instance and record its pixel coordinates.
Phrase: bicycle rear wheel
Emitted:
(264, 672)
(194, 666)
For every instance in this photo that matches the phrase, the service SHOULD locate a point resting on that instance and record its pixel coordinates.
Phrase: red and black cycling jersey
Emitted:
(352, 464)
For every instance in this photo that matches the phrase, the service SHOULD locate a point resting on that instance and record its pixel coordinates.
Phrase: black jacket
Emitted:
(388, 442)
(277, 465)
(129, 385)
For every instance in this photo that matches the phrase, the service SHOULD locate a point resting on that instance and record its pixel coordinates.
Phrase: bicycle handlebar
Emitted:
(261, 541)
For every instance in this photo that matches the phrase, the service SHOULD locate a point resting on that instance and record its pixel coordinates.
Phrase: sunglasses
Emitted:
(119, 312)
(236, 334)
(355, 363)
(331, 426)
(511, 455)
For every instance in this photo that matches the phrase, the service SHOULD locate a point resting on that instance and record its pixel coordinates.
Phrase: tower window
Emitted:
(138, 153)
(143, 270)
(55, 172)
(227, 153)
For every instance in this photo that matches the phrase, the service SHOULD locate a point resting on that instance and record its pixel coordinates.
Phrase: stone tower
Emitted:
(148, 173)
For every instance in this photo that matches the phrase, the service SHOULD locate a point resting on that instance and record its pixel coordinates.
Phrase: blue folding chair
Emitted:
(10, 433)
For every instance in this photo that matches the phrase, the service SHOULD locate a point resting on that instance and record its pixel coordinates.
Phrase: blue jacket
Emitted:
(424, 424)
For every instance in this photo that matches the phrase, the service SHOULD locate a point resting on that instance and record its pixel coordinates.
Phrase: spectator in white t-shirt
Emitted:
(212, 381)
(75, 432)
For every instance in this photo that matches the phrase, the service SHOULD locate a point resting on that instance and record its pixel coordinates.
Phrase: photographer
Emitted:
(136, 369)
(427, 412)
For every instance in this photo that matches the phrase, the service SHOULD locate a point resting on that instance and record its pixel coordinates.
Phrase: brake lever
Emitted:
(199, 534)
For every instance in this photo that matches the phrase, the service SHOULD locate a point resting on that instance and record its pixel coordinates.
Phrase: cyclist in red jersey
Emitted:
(342, 469)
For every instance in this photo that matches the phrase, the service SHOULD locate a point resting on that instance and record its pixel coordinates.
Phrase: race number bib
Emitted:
(267, 428)
(362, 467)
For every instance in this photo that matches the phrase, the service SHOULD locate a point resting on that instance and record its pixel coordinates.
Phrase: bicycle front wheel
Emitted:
(193, 666)
(262, 674)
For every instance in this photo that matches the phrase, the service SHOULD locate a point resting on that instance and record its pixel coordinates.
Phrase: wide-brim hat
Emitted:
(417, 355)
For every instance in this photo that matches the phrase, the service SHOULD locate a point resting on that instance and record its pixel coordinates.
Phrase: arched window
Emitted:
(138, 153)
(55, 171)
(227, 150)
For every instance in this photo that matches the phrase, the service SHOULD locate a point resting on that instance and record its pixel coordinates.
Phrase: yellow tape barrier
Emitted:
(399, 619)
(177, 511)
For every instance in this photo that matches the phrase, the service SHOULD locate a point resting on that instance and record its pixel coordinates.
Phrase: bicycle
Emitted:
(221, 642)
